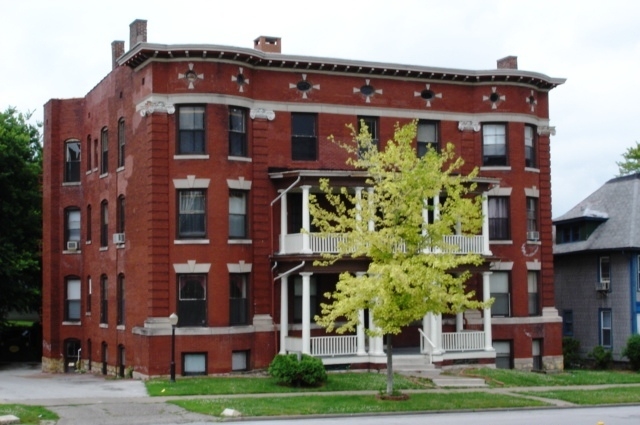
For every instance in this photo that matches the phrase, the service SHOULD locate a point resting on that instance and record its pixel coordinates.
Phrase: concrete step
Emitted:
(456, 381)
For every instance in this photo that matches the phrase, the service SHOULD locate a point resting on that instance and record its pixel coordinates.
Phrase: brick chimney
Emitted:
(137, 32)
(508, 62)
(268, 44)
(117, 50)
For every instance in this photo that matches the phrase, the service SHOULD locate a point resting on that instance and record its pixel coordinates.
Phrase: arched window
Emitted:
(121, 299)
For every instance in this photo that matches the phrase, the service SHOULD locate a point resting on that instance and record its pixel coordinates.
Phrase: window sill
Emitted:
(505, 242)
(239, 158)
(104, 248)
(495, 168)
(534, 242)
(120, 327)
(532, 169)
(72, 252)
(87, 172)
(66, 184)
(191, 241)
(102, 176)
(71, 323)
(104, 325)
(190, 156)
(119, 169)
(87, 243)
(120, 246)
(88, 314)
(240, 241)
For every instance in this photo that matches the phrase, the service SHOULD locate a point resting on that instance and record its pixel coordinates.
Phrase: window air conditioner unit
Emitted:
(603, 286)
(533, 236)
(118, 238)
(72, 245)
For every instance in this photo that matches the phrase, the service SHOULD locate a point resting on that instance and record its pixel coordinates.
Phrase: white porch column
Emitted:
(375, 342)
(486, 317)
(360, 328)
(284, 313)
(436, 208)
(485, 225)
(371, 224)
(306, 222)
(459, 322)
(283, 224)
(438, 335)
(306, 312)
(358, 203)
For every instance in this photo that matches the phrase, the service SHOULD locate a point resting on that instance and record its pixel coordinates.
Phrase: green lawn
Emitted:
(333, 404)
(350, 381)
(28, 414)
(514, 378)
(616, 395)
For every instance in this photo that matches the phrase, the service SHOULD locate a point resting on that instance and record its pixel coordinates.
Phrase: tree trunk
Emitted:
(389, 364)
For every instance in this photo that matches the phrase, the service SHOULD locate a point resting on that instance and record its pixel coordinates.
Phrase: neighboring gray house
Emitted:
(596, 259)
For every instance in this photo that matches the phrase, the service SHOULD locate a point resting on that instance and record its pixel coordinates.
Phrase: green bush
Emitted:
(570, 352)
(632, 351)
(601, 357)
(286, 369)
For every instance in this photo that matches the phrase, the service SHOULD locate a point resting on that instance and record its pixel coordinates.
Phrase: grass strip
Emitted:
(28, 414)
(350, 404)
(261, 385)
(615, 395)
(515, 378)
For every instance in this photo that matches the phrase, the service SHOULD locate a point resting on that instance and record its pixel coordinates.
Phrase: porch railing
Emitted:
(334, 345)
(329, 244)
(426, 345)
(463, 341)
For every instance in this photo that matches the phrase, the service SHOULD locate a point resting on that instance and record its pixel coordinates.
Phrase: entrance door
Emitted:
(71, 355)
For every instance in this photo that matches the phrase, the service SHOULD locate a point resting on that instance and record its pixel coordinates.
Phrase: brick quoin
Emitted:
(146, 89)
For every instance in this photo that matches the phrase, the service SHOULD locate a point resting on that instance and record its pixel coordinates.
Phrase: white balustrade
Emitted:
(334, 345)
(463, 341)
(293, 344)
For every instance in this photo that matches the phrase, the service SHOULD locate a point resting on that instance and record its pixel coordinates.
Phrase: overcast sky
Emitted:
(61, 49)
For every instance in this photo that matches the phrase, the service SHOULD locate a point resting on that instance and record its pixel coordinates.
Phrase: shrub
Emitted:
(632, 351)
(601, 356)
(570, 352)
(286, 369)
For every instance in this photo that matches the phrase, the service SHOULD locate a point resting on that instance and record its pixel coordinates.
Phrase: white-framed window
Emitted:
(605, 321)
(534, 298)
(72, 222)
(499, 223)
(192, 214)
(372, 124)
(504, 359)
(499, 284)
(494, 144)
(427, 136)
(237, 131)
(72, 161)
(529, 146)
(192, 300)
(304, 144)
(191, 129)
(237, 214)
(73, 289)
(604, 269)
(532, 214)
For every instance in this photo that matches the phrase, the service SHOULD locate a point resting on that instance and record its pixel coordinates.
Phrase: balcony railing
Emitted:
(463, 341)
(320, 244)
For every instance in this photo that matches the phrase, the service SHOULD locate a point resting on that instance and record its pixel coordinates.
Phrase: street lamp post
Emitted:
(173, 320)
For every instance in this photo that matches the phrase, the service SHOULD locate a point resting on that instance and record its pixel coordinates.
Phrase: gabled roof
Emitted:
(617, 205)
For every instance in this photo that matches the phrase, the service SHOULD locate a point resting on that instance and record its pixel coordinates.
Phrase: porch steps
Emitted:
(412, 363)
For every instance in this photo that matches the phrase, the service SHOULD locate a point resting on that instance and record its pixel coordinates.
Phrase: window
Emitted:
(297, 299)
(567, 323)
(606, 339)
(303, 137)
(104, 223)
(371, 124)
(239, 360)
(72, 161)
(72, 306)
(237, 132)
(238, 305)
(192, 299)
(88, 153)
(534, 299)
(499, 218)
(529, 147)
(605, 270)
(120, 215)
(536, 353)
(194, 364)
(499, 286)
(71, 227)
(120, 297)
(494, 144)
(503, 354)
(89, 223)
(191, 130)
(104, 149)
(121, 142)
(638, 274)
(532, 218)
(88, 306)
(104, 300)
(237, 214)
(192, 214)
(427, 137)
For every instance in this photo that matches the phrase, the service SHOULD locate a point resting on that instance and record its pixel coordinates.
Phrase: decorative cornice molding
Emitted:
(546, 131)
(262, 113)
(469, 126)
(151, 107)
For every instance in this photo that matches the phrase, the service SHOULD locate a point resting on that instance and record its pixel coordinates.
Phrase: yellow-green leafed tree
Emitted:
(411, 269)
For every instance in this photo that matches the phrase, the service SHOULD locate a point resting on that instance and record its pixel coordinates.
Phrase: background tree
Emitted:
(411, 265)
(631, 162)
(20, 213)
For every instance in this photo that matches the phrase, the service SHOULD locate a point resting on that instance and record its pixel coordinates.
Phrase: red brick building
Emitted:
(179, 184)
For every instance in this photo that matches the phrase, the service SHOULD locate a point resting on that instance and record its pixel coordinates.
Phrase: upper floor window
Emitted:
(237, 132)
(89, 214)
(499, 283)
(121, 300)
(72, 161)
(427, 136)
(604, 269)
(534, 299)
(532, 218)
(104, 223)
(499, 227)
(104, 300)
(88, 153)
(72, 304)
(192, 213)
(120, 217)
(191, 130)
(494, 144)
(121, 142)
(529, 147)
(606, 338)
(192, 299)
(237, 214)
(304, 146)
(104, 149)
(371, 125)
(72, 228)
(238, 299)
